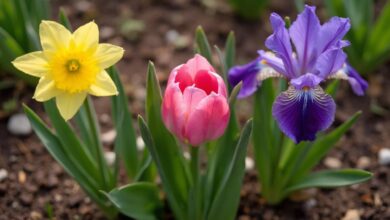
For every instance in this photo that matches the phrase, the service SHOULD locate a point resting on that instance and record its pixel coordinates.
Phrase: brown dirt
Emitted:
(36, 183)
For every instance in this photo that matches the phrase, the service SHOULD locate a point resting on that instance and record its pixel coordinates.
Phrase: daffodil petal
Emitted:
(104, 86)
(53, 35)
(69, 103)
(45, 90)
(87, 36)
(108, 54)
(34, 63)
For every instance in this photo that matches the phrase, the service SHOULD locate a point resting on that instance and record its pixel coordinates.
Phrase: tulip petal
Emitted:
(69, 103)
(300, 114)
(87, 36)
(107, 55)
(45, 90)
(34, 64)
(192, 96)
(53, 35)
(183, 78)
(304, 33)
(196, 64)
(173, 110)
(104, 86)
(206, 81)
(209, 120)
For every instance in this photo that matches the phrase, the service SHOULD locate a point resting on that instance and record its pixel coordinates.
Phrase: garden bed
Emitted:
(37, 186)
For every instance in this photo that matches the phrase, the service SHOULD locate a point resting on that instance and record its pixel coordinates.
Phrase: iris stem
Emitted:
(95, 132)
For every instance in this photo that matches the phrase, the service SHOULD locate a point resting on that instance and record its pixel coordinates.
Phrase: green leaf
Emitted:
(323, 145)
(202, 45)
(75, 150)
(331, 178)
(263, 126)
(57, 150)
(225, 203)
(222, 152)
(64, 20)
(249, 9)
(167, 155)
(137, 200)
(125, 143)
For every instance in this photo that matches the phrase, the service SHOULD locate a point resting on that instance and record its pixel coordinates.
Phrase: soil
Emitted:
(37, 186)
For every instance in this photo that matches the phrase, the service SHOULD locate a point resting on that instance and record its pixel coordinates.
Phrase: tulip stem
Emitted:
(195, 213)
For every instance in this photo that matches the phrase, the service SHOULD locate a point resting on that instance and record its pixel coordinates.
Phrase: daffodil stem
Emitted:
(97, 143)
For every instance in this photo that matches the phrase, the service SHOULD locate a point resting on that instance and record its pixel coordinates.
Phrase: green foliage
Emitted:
(249, 9)
(19, 24)
(370, 46)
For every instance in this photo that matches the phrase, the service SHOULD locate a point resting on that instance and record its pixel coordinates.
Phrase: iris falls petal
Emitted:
(300, 114)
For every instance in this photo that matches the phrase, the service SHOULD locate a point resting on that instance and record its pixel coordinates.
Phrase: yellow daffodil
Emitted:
(70, 66)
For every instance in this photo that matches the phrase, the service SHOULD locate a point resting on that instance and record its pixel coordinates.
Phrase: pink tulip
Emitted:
(195, 107)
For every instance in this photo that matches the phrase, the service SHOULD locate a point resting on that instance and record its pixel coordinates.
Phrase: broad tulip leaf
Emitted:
(202, 44)
(164, 149)
(138, 200)
(224, 205)
(331, 178)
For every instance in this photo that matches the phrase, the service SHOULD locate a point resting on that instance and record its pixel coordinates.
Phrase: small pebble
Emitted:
(384, 156)
(110, 157)
(140, 143)
(249, 163)
(352, 214)
(34, 215)
(26, 199)
(22, 177)
(3, 174)
(332, 162)
(363, 162)
(109, 137)
(311, 203)
(106, 32)
(18, 124)
(187, 155)
(171, 36)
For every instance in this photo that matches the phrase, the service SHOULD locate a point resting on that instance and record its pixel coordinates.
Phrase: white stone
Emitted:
(140, 143)
(332, 162)
(171, 36)
(110, 157)
(109, 137)
(187, 155)
(363, 162)
(311, 203)
(384, 156)
(249, 163)
(18, 124)
(352, 214)
(3, 174)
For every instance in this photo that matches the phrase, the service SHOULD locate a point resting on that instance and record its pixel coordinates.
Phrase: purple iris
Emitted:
(304, 108)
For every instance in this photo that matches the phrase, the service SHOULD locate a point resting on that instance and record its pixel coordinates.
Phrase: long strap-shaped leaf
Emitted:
(331, 178)
(57, 150)
(164, 149)
(226, 201)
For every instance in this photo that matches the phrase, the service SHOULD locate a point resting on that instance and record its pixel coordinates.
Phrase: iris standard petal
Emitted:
(107, 55)
(270, 59)
(304, 34)
(103, 86)
(53, 35)
(209, 120)
(33, 63)
(279, 42)
(69, 103)
(248, 75)
(329, 62)
(86, 37)
(300, 114)
(332, 32)
(45, 90)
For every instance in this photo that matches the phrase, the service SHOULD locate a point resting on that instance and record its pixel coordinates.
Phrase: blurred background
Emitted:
(33, 186)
